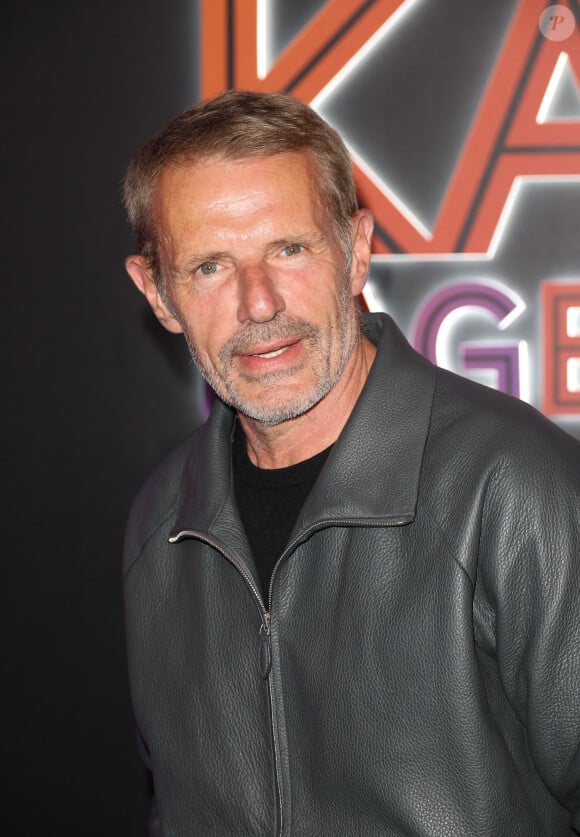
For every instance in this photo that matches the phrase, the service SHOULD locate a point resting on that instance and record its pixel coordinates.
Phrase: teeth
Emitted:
(274, 353)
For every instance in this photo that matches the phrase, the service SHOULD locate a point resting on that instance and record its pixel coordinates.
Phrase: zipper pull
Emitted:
(265, 647)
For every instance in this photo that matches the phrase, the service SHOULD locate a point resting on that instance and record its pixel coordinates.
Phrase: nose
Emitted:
(259, 298)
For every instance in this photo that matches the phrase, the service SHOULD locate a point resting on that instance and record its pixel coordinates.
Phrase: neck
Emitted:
(297, 439)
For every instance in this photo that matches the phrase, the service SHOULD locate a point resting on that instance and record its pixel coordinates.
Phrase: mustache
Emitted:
(283, 328)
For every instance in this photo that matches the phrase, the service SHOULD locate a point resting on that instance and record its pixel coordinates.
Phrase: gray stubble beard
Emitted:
(282, 327)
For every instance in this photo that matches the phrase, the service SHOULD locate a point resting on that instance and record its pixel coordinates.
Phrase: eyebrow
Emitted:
(193, 262)
(311, 239)
(198, 259)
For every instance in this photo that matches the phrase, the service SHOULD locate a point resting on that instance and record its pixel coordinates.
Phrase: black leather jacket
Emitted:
(416, 670)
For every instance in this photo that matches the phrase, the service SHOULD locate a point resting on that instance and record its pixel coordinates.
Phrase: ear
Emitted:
(140, 272)
(361, 226)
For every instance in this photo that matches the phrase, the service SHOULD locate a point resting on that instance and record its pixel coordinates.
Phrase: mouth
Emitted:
(273, 353)
(275, 357)
(270, 352)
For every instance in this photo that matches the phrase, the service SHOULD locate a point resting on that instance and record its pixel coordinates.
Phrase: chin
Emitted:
(276, 412)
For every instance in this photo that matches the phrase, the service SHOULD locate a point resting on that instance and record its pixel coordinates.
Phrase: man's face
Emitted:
(256, 280)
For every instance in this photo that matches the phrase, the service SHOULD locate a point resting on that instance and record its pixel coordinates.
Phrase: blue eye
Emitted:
(292, 249)
(207, 268)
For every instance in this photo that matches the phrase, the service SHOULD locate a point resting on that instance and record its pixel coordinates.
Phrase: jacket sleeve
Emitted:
(529, 565)
(153, 821)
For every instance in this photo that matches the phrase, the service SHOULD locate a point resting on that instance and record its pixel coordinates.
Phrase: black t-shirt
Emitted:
(269, 501)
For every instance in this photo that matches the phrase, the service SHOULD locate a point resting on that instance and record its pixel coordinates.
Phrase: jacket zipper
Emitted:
(323, 524)
(266, 667)
(265, 646)
(265, 649)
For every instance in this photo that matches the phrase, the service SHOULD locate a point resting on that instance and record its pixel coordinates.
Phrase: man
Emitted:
(352, 597)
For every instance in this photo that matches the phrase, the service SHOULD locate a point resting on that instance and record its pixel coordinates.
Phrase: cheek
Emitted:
(198, 314)
(316, 294)
(209, 330)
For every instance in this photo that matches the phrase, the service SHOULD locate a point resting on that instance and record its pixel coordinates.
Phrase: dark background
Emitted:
(95, 394)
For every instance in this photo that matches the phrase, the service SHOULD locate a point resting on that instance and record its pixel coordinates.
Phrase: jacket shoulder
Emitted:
(497, 425)
(158, 499)
(491, 457)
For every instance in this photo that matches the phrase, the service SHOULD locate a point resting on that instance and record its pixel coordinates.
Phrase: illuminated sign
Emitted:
(471, 285)
(431, 332)
(561, 310)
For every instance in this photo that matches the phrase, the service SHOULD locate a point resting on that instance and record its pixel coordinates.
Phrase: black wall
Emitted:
(94, 394)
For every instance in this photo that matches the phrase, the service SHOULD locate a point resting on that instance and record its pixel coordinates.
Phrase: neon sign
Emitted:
(479, 311)
(431, 331)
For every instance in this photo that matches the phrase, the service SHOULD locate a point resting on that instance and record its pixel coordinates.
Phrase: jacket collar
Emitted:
(373, 471)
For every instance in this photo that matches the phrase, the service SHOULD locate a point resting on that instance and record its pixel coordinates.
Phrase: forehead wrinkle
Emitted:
(236, 225)
(193, 260)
